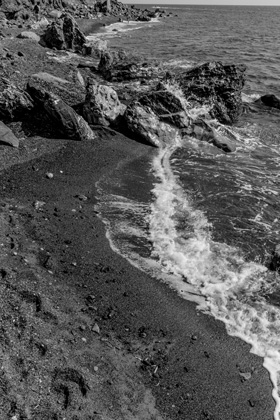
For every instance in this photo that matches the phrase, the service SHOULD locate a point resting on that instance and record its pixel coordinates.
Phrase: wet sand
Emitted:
(186, 358)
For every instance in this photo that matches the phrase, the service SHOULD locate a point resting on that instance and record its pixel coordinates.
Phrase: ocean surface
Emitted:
(207, 222)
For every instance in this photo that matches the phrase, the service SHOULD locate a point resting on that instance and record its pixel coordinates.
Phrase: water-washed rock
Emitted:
(218, 86)
(102, 105)
(14, 102)
(274, 261)
(118, 66)
(67, 120)
(201, 130)
(144, 124)
(29, 35)
(269, 100)
(7, 136)
(64, 34)
(167, 106)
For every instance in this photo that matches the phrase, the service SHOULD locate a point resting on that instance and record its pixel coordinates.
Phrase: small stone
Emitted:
(49, 175)
(84, 339)
(246, 375)
(81, 197)
(39, 204)
(82, 328)
(252, 403)
(96, 329)
(194, 337)
(95, 368)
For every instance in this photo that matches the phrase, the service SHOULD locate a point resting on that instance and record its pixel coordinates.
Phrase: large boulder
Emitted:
(14, 102)
(7, 136)
(67, 120)
(144, 124)
(118, 67)
(64, 34)
(69, 92)
(167, 106)
(102, 105)
(218, 86)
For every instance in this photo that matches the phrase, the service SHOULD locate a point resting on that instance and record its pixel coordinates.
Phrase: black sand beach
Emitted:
(85, 335)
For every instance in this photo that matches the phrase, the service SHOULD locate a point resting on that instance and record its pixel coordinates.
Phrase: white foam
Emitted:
(232, 288)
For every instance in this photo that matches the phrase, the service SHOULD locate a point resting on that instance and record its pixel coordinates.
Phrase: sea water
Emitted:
(212, 219)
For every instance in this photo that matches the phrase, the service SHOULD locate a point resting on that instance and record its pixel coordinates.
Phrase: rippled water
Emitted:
(213, 218)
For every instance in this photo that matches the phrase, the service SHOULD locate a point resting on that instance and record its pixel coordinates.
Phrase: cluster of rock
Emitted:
(129, 12)
(156, 117)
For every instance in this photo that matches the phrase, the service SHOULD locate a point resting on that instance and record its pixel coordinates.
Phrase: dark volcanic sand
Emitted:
(187, 359)
(156, 357)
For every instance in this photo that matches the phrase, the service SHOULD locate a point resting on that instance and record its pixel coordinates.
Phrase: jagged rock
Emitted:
(142, 122)
(118, 66)
(7, 136)
(274, 262)
(269, 100)
(102, 105)
(29, 35)
(64, 34)
(218, 86)
(203, 131)
(167, 106)
(67, 120)
(14, 102)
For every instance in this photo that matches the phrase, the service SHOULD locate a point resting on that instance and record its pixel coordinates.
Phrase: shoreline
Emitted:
(92, 334)
(198, 364)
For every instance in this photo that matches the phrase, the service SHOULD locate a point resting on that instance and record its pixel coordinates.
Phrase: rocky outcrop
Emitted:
(118, 67)
(144, 124)
(68, 121)
(269, 100)
(7, 136)
(218, 86)
(64, 34)
(14, 102)
(102, 105)
(167, 106)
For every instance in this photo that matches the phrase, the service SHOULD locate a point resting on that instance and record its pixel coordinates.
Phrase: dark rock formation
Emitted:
(269, 100)
(64, 34)
(143, 123)
(218, 86)
(118, 66)
(167, 106)
(7, 136)
(102, 105)
(14, 102)
(67, 120)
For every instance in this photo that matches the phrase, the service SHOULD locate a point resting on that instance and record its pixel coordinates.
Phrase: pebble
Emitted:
(96, 329)
(49, 175)
(95, 368)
